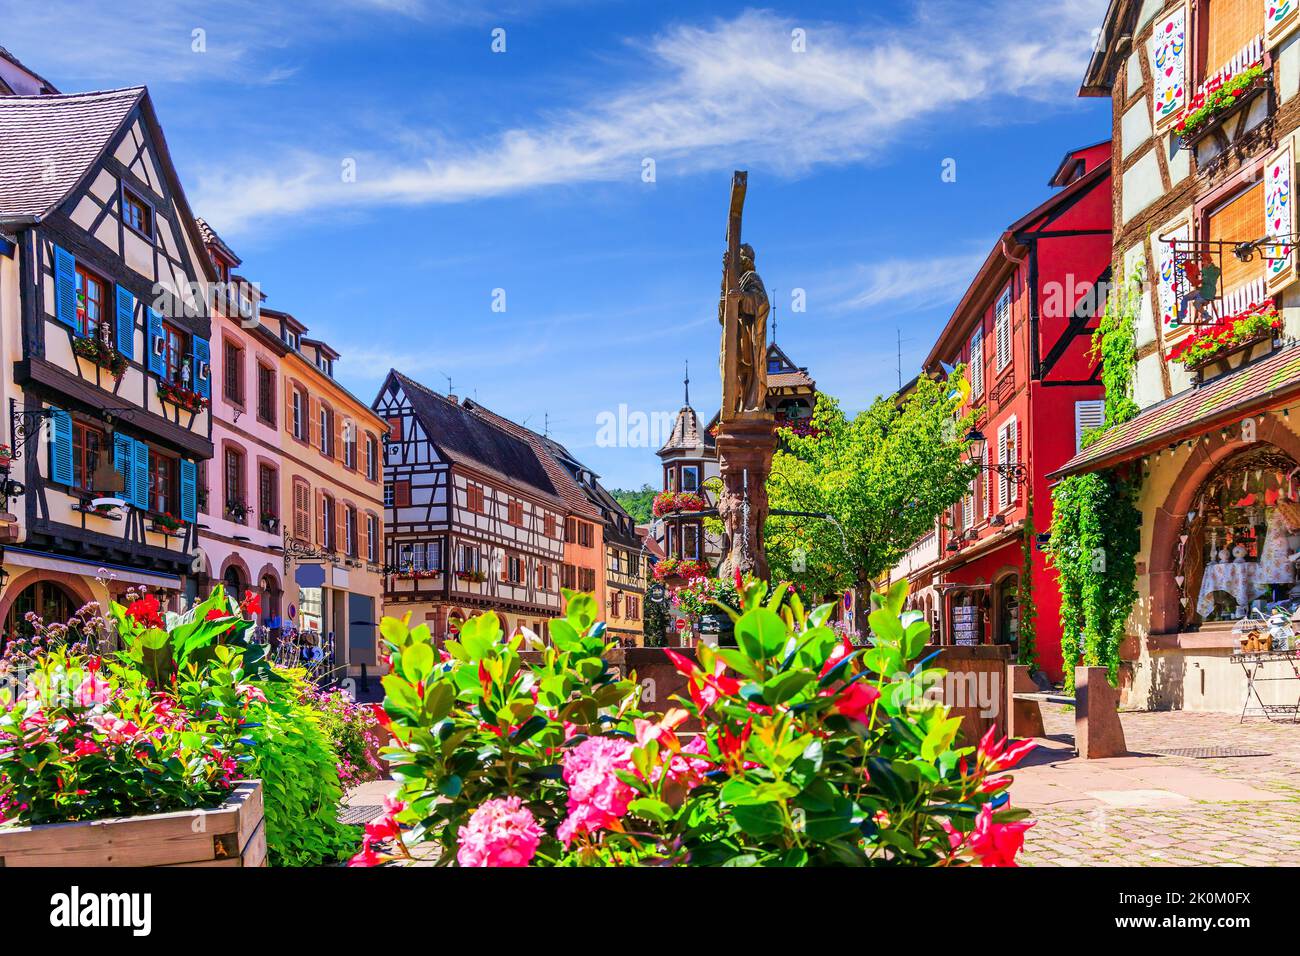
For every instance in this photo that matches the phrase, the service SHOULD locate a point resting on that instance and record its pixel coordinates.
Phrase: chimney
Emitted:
(453, 399)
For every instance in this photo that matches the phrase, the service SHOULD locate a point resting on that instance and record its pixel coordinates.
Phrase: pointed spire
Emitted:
(688, 383)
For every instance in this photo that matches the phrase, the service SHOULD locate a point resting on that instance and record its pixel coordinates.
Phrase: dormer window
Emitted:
(291, 338)
(137, 214)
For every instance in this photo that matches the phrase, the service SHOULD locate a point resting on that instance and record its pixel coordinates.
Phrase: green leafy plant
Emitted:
(1216, 100)
(810, 751)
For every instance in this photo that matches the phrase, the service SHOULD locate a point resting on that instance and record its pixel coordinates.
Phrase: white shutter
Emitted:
(977, 361)
(1002, 330)
(1279, 217)
(1281, 17)
(1008, 454)
(1169, 57)
(1087, 415)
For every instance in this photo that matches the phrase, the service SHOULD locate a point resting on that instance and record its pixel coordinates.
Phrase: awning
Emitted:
(120, 573)
(1257, 387)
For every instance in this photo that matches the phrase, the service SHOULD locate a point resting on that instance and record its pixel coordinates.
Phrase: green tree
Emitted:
(636, 503)
(885, 475)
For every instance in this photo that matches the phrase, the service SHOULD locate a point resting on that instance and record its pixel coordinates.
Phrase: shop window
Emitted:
(1241, 532)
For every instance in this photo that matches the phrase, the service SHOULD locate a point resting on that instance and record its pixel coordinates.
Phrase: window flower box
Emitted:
(270, 523)
(668, 502)
(1260, 321)
(681, 568)
(1216, 100)
(237, 510)
(231, 834)
(423, 574)
(6, 455)
(166, 523)
(101, 354)
(477, 577)
(181, 396)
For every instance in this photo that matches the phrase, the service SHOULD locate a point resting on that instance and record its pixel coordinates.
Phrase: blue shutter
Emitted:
(65, 287)
(156, 362)
(201, 367)
(189, 489)
(125, 323)
(140, 474)
(61, 447)
(123, 464)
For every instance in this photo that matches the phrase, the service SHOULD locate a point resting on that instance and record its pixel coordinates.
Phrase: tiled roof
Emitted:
(560, 478)
(789, 379)
(686, 434)
(470, 439)
(212, 240)
(47, 143)
(1194, 411)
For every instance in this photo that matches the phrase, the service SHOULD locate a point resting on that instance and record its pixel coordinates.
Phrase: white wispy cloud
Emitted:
(706, 95)
(903, 284)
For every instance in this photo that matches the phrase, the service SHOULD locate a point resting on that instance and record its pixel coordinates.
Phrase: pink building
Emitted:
(239, 489)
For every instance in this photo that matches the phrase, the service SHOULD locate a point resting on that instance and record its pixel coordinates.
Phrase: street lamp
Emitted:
(1013, 471)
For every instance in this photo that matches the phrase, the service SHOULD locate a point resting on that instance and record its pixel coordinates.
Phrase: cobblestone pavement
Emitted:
(1156, 810)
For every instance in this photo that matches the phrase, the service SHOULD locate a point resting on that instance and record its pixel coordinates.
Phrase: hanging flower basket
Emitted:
(105, 356)
(1260, 321)
(681, 568)
(668, 502)
(181, 396)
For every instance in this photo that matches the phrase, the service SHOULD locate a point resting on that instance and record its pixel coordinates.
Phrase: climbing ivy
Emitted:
(1096, 525)
(1028, 651)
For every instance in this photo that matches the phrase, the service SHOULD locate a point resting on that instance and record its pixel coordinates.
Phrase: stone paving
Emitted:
(1154, 810)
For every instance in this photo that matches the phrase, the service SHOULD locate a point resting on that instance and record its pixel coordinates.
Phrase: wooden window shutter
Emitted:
(320, 519)
(336, 449)
(341, 527)
(1279, 217)
(1004, 494)
(1281, 17)
(1002, 330)
(312, 431)
(65, 287)
(290, 390)
(1232, 25)
(1239, 220)
(1170, 55)
(401, 494)
(977, 363)
(1087, 415)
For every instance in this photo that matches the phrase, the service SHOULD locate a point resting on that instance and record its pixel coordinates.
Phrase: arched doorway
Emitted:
(234, 582)
(51, 601)
(1007, 603)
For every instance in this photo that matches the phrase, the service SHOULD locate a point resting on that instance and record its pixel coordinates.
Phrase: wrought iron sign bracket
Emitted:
(22, 425)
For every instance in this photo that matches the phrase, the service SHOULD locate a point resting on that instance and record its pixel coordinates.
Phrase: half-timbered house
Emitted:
(474, 522)
(105, 352)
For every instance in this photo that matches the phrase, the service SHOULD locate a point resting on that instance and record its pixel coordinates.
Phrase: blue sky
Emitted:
(523, 171)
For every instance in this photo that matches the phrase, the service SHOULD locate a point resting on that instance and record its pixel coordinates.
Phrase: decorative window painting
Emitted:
(1166, 288)
(1279, 215)
(1281, 17)
(1169, 66)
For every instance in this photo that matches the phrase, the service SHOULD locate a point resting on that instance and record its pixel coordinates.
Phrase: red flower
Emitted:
(215, 614)
(855, 701)
(252, 603)
(367, 856)
(995, 754)
(685, 666)
(838, 653)
(145, 611)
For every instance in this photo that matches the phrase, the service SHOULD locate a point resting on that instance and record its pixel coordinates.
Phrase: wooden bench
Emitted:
(1097, 728)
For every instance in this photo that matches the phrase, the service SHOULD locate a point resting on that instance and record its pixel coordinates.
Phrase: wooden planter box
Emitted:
(232, 834)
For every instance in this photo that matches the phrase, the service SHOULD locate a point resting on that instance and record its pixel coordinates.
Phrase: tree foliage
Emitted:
(636, 503)
(885, 475)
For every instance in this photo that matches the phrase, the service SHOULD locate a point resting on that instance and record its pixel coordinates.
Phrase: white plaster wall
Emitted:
(1141, 186)
(1135, 127)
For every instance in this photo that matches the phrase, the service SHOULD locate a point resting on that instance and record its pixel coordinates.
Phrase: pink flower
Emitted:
(855, 701)
(501, 832)
(998, 756)
(597, 797)
(367, 856)
(92, 692)
(994, 844)
(85, 747)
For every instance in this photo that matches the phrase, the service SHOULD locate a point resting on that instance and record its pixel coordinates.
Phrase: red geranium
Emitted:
(145, 611)
(252, 603)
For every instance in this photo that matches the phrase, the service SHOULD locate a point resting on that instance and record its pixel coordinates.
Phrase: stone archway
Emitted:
(236, 576)
(74, 587)
(1167, 524)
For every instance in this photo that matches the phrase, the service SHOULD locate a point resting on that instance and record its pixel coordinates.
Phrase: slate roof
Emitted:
(1193, 411)
(48, 143)
(559, 476)
(687, 434)
(463, 437)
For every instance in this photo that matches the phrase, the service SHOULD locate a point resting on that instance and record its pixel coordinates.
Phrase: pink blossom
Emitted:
(501, 832)
(597, 797)
(92, 692)
(85, 748)
(994, 844)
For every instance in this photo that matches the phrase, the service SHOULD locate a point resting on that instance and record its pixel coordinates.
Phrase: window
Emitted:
(87, 445)
(1239, 219)
(1008, 454)
(372, 457)
(137, 214)
(350, 445)
(388, 494)
(236, 503)
(266, 394)
(1002, 330)
(325, 532)
(690, 478)
(515, 570)
(234, 373)
(578, 532)
(326, 431)
(691, 542)
(372, 538)
(176, 354)
(301, 510)
(1228, 26)
(401, 494)
(163, 486)
(551, 526)
(568, 576)
(670, 479)
(1087, 415)
(467, 558)
(977, 363)
(474, 499)
(291, 339)
(543, 577)
(299, 414)
(91, 297)
(516, 512)
(633, 608)
(350, 531)
(267, 493)
(586, 579)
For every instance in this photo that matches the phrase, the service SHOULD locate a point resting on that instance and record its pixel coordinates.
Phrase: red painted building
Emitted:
(1024, 329)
